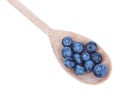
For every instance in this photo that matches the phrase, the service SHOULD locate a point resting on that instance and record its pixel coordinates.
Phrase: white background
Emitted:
(27, 63)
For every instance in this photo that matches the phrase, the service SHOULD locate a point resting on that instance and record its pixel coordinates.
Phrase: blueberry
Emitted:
(96, 57)
(85, 56)
(100, 70)
(68, 62)
(91, 47)
(66, 52)
(77, 47)
(77, 59)
(89, 65)
(79, 70)
(67, 41)
(69, 58)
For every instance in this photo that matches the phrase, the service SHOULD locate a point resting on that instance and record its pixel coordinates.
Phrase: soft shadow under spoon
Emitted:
(56, 37)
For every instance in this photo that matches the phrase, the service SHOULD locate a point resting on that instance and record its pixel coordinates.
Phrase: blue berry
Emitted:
(89, 65)
(91, 47)
(67, 41)
(96, 57)
(68, 62)
(79, 70)
(100, 70)
(77, 47)
(85, 56)
(70, 58)
(77, 59)
(66, 52)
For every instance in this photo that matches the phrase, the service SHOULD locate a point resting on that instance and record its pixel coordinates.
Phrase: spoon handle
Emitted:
(32, 17)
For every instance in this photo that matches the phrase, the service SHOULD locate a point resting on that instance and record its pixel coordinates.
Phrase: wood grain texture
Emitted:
(56, 37)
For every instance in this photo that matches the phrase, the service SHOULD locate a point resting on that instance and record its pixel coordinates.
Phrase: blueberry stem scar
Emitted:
(55, 37)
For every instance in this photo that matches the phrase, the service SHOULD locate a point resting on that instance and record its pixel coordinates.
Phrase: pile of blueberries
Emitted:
(83, 58)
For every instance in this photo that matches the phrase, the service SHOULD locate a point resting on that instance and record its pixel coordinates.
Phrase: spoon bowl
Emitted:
(88, 78)
(56, 37)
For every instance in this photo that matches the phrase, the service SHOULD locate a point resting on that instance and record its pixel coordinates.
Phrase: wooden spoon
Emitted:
(56, 37)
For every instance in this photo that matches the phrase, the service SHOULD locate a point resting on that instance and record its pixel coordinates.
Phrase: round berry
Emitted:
(100, 70)
(96, 57)
(68, 62)
(67, 41)
(77, 59)
(79, 70)
(85, 56)
(89, 65)
(91, 47)
(77, 47)
(66, 52)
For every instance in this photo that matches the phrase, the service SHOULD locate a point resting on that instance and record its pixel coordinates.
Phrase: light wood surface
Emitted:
(56, 36)
(32, 17)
